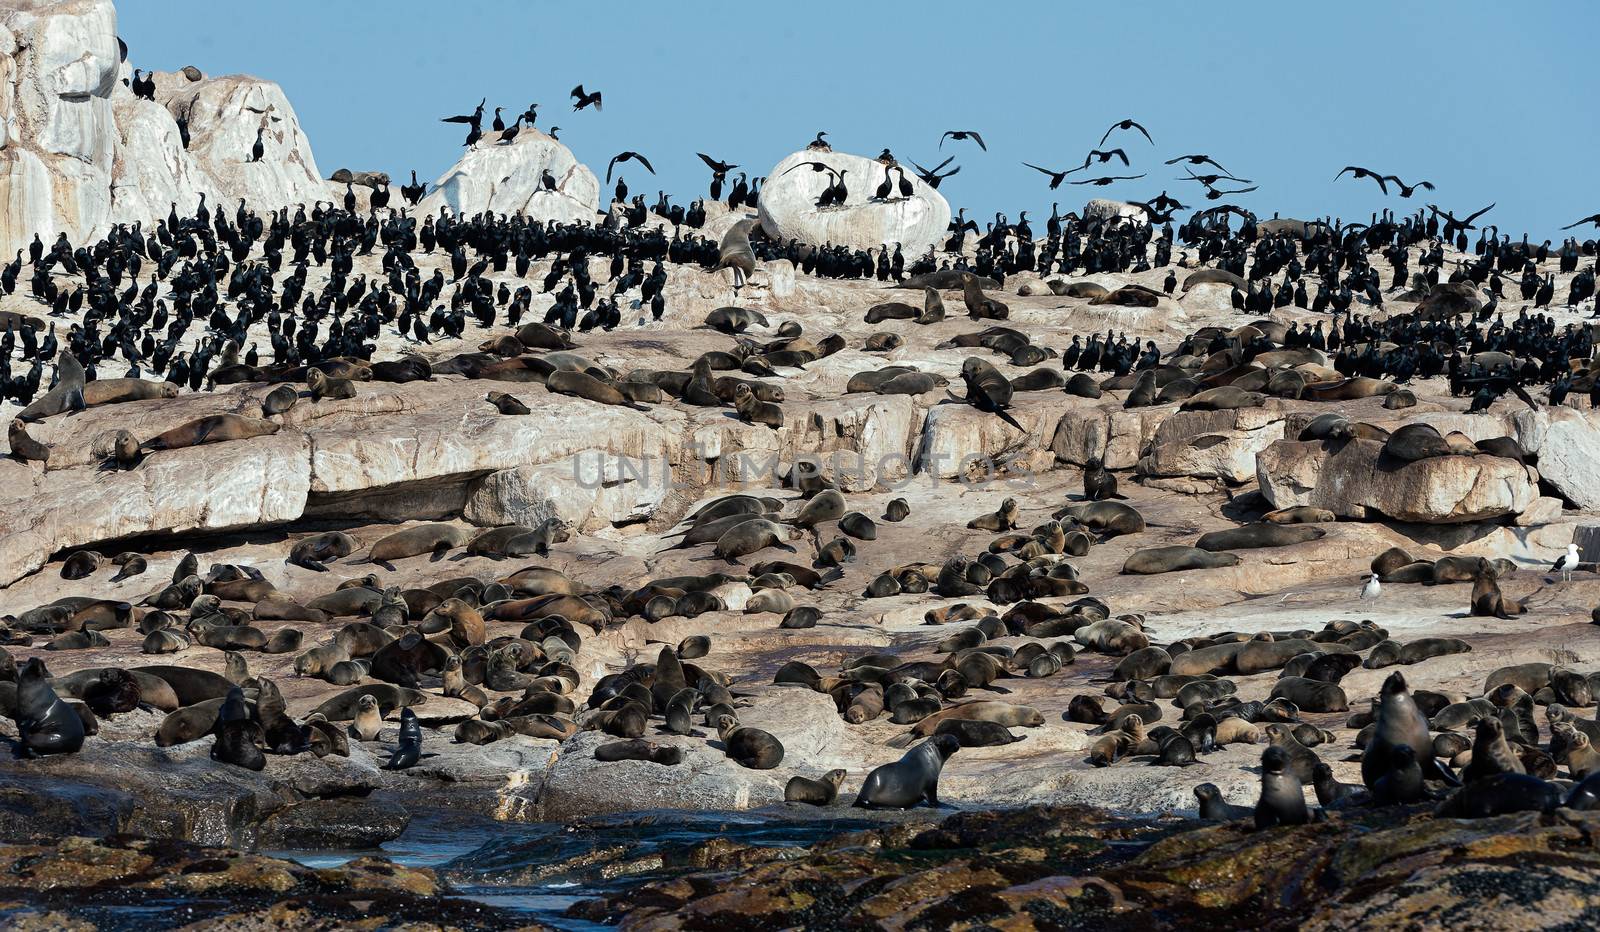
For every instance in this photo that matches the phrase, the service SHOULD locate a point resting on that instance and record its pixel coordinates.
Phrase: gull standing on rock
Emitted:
(1372, 589)
(1566, 563)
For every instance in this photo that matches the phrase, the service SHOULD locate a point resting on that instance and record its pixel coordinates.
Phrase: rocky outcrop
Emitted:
(1212, 444)
(1352, 480)
(65, 883)
(507, 178)
(1106, 209)
(79, 152)
(224, 115)
(58, 68)
(1064, 867)
(789, 211)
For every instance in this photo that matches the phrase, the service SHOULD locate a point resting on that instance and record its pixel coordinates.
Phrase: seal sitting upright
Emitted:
(911, 779)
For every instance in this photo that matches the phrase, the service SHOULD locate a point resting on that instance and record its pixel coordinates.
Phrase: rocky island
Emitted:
(1219, 571)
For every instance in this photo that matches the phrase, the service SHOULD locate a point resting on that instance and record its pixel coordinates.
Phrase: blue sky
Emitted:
(1490, 101)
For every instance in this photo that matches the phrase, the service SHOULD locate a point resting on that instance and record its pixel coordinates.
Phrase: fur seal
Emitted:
(1213, 808)
(1156, 560)
(749, 747)
(321, 385)
(753, 410)
(1223, 398)
(1299, 514)
(409, 749)
(436, 539)
(914, 778)
(1399, 724)
(215, 428)
(507, 404)
(1283, 800)
(314, 551)
(754, 535)
(45, 724)
(1253, 536)
(821, 792)
(1487, 600)
(1111, 518)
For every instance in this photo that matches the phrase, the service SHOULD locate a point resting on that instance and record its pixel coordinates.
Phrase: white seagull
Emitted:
(1372, 589)
(1566, 563)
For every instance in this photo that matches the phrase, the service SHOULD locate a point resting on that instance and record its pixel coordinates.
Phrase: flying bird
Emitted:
(1593, 218)
(625, 156)
(1126, 124)
(1106, 156)
(1211, 180)
(1199, 160)
(932, 178)
(585, 99)
(1406, 190)
(960, 134)
(1364, 173)
(1102, 182)
(1215, 194)
(1451, 224)
(1056, 177)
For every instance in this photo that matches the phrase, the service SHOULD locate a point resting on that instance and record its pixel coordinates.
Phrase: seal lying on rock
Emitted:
(1172, 559)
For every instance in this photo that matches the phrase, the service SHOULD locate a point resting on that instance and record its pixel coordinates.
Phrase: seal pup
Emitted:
(1213, 808)
(912, 779)
(507, 403)
(409, 750)
(896, 511)
(367, 723)
(1283, 798)
(753, 410)
(821, 792)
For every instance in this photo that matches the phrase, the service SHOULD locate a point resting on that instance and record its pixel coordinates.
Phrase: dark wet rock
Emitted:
(57, 885)
(345, 822)
(1053, 868)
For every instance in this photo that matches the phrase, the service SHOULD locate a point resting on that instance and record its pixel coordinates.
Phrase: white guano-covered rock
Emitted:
(789, 212)
(57, 71)
(508, 179)
(224, 114)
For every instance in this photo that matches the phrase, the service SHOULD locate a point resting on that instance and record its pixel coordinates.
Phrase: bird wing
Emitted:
(1521, 393)
(1472, 217)
(612, 164)
(597, 106)
(644, 161)
(978, 139)
(459, 118)
(943, 138)
(577, 92)
(1349, 168)
(941, 164)
(1595, 219)
(711, 163)
(1141, 129)
(1051, 173)
(1119, 153)
(952, 172)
